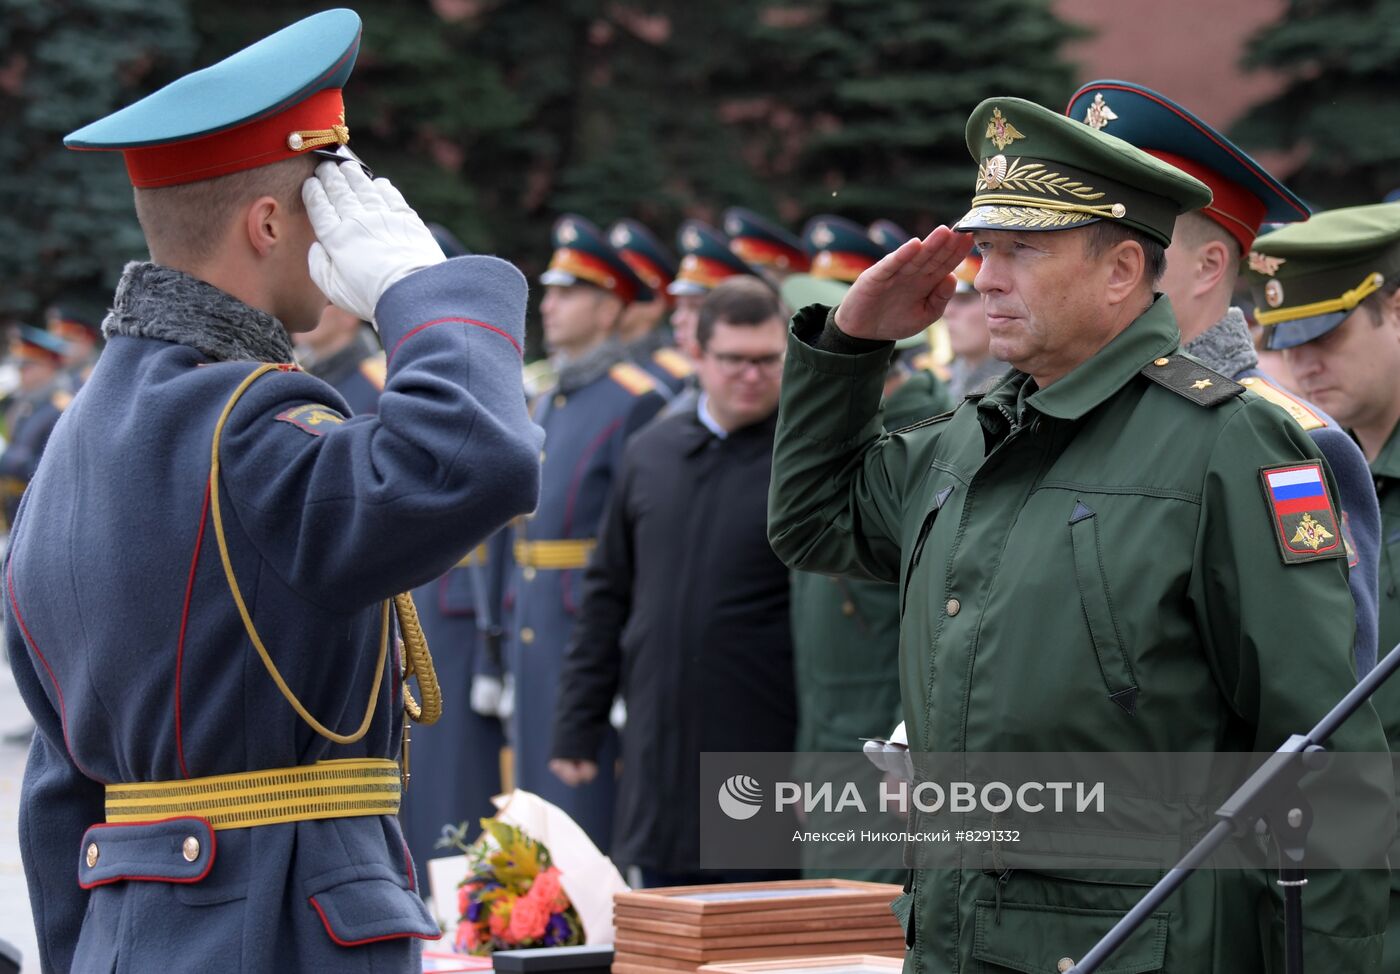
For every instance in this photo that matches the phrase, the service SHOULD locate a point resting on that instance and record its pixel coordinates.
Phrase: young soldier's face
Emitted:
(577, 316)
(1350, 371)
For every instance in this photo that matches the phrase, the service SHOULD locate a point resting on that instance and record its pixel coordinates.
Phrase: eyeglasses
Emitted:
(735, 365)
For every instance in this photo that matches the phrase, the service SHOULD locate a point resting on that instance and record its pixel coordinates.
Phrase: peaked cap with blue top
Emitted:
(275, 100)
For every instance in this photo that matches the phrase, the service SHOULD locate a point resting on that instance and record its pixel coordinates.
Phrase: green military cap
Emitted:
(1308, 277)
(1039, 170)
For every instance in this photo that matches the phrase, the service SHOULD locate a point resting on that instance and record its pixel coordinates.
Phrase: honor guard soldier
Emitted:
(643, 332)
(32, 412)
(764, 245)
(1092, 556)
(84, 340)
(706, 259)
(201, 585)
(1203, 263)
(1325, 291)
(598, 401)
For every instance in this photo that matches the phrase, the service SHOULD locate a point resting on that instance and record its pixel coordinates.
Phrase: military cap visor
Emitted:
(1245, 195)
(1308, 277)
(30, 344)
(706, 259)
(275, 100)
(841, 249)
(762, 243)
(582, 255)
(648, 259)
(1040, 170)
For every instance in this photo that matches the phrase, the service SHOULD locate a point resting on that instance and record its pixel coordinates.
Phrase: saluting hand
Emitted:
(906, 291)
(367, 237)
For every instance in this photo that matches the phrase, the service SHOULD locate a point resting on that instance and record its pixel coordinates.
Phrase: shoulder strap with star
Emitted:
(1191, 380)
(1301, 411)
(632, 378)
(675, 364)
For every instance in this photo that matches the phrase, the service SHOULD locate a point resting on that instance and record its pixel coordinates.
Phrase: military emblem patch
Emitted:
(1099, 114)
(1001, 131)
(1305, 519)
(312, 418)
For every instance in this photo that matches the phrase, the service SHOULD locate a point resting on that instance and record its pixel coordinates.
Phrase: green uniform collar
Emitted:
(1151, 335)
(1387, 462)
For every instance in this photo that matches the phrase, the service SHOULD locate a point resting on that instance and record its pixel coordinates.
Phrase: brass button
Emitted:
(528, 573)
(559, 401)
(190, 848)
(92, 855)
(848, 608)
(1064, 964)
(1248, 380)
(954, 607)
(527, 635)
(1159, 362)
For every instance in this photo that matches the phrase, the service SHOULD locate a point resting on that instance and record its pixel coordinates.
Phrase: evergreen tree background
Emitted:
(1342, 64)
(66, 218)
(496, 116)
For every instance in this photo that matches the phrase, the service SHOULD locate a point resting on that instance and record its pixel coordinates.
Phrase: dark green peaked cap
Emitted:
(1306, 278)
(1039, 170)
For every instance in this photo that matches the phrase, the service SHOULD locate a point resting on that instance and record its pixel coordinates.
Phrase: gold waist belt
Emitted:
(567, 553)
(343, 788)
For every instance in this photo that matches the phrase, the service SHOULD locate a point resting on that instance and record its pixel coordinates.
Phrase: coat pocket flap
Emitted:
(1034, 939)
(171, 850)
(363, 911)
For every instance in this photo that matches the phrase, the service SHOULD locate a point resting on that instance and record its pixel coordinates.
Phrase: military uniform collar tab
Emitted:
(1151, 335)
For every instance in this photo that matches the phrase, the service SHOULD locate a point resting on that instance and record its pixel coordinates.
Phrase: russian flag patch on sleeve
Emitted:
(1305, 519)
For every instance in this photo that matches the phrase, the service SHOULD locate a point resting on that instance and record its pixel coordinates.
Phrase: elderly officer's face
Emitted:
(577, 316)
(1044, 294)
(1350, 371)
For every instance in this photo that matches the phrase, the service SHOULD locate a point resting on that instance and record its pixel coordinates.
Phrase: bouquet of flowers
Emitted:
(511, 897)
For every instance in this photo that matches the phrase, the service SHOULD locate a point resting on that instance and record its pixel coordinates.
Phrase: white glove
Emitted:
(505, 707)
(486, 695)
(368, 237)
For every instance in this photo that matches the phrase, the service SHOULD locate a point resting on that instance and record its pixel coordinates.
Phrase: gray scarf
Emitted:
(1225, 346)
(590, 366)
(169, 305)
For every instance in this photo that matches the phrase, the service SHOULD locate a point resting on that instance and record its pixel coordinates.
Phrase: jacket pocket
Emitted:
(939, 499)
(1097, 602)
(1033, 939)
(363, 904)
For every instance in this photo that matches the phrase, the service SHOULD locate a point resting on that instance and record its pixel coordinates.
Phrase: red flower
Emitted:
(528, 919)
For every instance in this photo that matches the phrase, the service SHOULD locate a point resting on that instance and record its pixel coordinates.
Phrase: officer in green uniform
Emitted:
(1092, 556)
(1326, 292)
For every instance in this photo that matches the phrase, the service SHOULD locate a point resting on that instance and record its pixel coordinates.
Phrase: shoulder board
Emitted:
(940, 418)
(61, 399)
(673, 362)
(1301, 412)
(1192, 380)
(376, 370)
(631, 378)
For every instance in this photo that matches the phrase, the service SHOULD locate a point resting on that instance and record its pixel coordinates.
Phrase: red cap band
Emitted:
(1235, 208)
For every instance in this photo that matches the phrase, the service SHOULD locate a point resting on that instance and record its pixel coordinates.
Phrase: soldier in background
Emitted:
(706, 259)
(83, 337)
(1203, 265)
(644, 330)
(343, 352)
(32, 412)
(599, 399)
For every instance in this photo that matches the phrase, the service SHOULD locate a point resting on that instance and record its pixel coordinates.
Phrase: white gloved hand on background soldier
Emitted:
(368, 237)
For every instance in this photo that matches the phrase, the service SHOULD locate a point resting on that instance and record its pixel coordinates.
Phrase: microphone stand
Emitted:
(1270, 800)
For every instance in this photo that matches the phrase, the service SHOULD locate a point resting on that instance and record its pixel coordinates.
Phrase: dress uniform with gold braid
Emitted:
(200, 591)
(596, 404)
